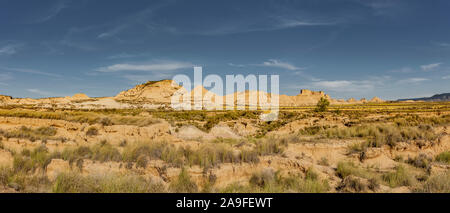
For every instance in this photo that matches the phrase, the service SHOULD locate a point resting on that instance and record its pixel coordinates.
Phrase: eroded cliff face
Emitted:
(155, 94)
(152, 91)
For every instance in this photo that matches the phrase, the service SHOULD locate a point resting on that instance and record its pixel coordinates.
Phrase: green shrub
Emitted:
(322, 105)
(262, 178)
(323, 161)
(436, 184)
(352, 184)
(311, 174)
(141, 162)
(444, 157)
(270, 146)
(92, 131)
(400, 177)
(22, 164)
(183, 183)
(105, 152)
(41, 133)
(421, 161)
(109, 183)
(5, 173)
(345, 169)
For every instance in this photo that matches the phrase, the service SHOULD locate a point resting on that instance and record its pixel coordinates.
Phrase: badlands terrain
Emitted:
(134, 142)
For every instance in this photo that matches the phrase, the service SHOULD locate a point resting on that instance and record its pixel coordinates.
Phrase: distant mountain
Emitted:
(438, 97)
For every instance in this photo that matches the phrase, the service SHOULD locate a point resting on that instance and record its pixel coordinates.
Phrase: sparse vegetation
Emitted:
(421, 161)
(41, 133)
(404, 130)
(183, 183)
(444, 157)
(436, 184)
(92, 131)
(322, 105)
(109, 183)
(399, 177)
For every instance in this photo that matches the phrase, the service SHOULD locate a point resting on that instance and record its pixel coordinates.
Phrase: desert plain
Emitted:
(134, 142)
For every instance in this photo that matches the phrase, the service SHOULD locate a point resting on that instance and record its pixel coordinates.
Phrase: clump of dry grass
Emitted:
(443, 157)
(206, 155)
(40, 133)
(268, 181)
(105, 117)
(270, 146)
(109, 183)
(29, 161)
(399, 177)
(102, 151)
(183, 183)
(92, 131)
(421, 161)
(436, 184)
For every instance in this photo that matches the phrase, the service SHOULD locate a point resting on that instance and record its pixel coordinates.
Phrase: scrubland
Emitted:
(386, 147)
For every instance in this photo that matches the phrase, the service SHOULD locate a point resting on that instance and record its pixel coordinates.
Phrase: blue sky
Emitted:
(347, 48)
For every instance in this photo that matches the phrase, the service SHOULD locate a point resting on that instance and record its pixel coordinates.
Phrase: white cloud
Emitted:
(343, 85)
(412, 80)
(122, 55)
(145, 78)
(353, 86)
(280, 64)
(39, 92)
(5, 77)
(159, 66)
(54, 11)
(446, 77)
(236, 65)
(287, 23)
(30, 71)
(442, 44)
(114, 31)
(10, 49)
(429, 67)
(402, 70)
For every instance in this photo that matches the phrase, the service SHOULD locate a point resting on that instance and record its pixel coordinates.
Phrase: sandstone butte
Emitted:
(154, 94)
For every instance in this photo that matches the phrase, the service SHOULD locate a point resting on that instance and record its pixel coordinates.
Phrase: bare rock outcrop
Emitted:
(152, 92)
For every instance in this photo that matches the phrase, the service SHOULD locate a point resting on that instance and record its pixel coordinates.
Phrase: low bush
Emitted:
(443, 157)
(92, 131)
(421, 161)
(436, 184)
(183, 183)
(399, 177)
(109, 183)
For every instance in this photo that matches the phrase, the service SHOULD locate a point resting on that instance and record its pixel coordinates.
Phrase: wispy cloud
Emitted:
(280, 64)
(151, 67)
(123, 55)
(10, 49)
(237, 65)
(441, 44)
(144, 78)
(5, 77)
(429, 67)
(30, 71)
(39, 92)
(344, 85)
(446, 77)
(402, 70)
(412, 80)
(353, 86)
(54, 11)
(112, 32)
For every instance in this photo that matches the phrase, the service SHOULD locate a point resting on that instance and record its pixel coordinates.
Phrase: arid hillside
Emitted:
(373, 147)
(158, 95)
